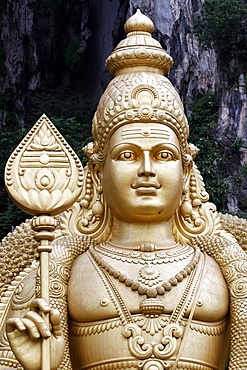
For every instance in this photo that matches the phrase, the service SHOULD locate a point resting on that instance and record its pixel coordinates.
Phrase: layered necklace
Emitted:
(148, 275)
(145, 253)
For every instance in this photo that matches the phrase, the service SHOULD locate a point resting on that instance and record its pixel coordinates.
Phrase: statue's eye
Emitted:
(164, 155)
(127, 156)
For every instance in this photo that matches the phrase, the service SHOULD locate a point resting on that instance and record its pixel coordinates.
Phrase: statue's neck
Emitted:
(134, 234)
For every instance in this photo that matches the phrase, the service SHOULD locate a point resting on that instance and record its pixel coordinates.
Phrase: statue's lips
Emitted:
(146, 187)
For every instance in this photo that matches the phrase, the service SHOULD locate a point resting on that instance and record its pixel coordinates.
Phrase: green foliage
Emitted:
(202, 121)
(240, 176)
(10, 119)
(7, 104)
(72, 58)
(223, 24)
(62, 103)
(10, 215)
(237, 145)
(245, 85)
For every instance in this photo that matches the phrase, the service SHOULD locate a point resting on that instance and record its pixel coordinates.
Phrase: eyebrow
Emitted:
(137, 133)
(140, 147)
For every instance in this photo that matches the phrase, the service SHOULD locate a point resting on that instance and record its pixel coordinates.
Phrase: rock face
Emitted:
(50, 44)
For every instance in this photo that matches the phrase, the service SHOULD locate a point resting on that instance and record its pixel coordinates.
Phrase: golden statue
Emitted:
(143, 272)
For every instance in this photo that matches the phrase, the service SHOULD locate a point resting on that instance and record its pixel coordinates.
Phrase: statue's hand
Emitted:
(25, 336)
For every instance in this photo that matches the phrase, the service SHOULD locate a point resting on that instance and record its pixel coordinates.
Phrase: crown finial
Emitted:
(139, 22)
(139, 51)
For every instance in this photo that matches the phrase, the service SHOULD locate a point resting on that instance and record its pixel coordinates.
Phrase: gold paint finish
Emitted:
(43, 175)
(139, 51)
(141, 271)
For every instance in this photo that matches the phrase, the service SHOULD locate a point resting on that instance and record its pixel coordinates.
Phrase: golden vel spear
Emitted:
(43, 176)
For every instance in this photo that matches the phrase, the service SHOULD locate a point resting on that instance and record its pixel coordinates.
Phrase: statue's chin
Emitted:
(146, 213)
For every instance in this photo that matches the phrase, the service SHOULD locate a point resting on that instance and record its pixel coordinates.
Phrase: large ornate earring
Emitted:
(98, 208)
(186, 207)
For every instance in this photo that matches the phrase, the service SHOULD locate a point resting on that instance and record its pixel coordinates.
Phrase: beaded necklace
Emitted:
(135, 285)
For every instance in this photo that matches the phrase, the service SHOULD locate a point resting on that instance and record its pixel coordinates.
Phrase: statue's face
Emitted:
(143, 174)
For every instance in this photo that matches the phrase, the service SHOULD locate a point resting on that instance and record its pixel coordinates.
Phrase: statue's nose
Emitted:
(146, 168)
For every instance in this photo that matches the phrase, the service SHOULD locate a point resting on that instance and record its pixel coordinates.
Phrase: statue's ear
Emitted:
(187, 169)
(186, 176)
(96, 172)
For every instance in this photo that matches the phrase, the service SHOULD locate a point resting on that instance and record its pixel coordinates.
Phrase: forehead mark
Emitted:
(138, 133)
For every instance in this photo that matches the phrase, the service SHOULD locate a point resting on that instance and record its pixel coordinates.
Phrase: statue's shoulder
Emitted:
(213, 279)
(210, 264)
(67, 248)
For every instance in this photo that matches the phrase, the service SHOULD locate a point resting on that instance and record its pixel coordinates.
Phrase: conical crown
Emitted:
(139, 92)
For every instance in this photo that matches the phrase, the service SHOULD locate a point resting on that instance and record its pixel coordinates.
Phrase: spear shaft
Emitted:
(44, 282)
(44, 225)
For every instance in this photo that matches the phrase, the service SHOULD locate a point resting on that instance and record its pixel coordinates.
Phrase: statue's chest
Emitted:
(102, 287)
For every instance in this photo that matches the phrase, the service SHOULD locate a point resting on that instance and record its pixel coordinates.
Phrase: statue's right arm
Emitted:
(25, 336)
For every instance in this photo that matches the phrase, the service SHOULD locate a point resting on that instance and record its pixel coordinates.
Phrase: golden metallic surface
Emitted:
(139, 51)
(43, 175)
(143, 270)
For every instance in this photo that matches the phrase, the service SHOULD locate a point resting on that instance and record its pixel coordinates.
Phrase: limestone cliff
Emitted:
(48, 44)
